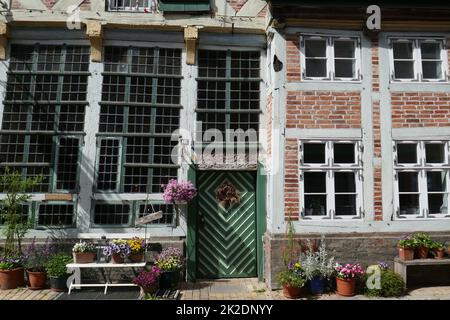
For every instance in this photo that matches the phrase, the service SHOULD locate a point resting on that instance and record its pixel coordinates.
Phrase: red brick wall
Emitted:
(237, 4)
(15, 4)
(49, 3)
(86, 5)
(323, 109)
(291, 195)
(293, 59)
(269, 123)
(378, 205)
(420, 109)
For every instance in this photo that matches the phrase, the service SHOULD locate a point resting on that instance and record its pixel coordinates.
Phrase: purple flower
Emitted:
(147, 278)
(179, 191)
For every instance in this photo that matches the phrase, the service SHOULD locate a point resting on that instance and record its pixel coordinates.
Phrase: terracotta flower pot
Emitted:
(439, 253)
(346, 287)
(406, 253)
(116, 258)
(83, 257)
(36, 280)
(136, 257)
(422, 252)
(292, 292)
(11, 279)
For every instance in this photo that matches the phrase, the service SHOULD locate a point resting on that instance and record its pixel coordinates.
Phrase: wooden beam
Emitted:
(4, 33)
(95, 33)
(190, 38)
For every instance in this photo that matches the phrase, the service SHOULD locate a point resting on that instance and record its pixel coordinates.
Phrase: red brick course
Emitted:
(323, 109)
(291, 195)
(378, 205)
(420, 109)
(293, 60)
(237, 4)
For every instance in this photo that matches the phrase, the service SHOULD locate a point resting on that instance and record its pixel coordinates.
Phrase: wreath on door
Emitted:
(227, 195)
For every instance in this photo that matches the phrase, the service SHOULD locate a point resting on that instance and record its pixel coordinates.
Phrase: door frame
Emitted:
(191, 236)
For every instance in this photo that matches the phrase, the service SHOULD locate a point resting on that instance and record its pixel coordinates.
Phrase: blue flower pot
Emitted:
(317, 285)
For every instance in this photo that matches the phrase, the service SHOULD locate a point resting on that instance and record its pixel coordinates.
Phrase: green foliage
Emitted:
(436, 245)
(15, 226)
(291, 278)
(391, 285)
(317, 263)
(291, 251)
(422, 240)
(56, 266)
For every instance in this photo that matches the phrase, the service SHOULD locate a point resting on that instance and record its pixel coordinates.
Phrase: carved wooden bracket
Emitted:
(190, 38)
(95, 33)
(4, 33)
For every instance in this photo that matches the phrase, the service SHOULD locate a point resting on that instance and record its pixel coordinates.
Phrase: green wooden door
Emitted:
(226, 243)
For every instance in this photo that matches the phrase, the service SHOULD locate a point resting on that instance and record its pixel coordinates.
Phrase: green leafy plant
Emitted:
(422, 240)
(436, 245)
(56, 266)
(406, 241)
(15, 225)
(391, 285)
(293, 276)
(317, 264)
(292, 249)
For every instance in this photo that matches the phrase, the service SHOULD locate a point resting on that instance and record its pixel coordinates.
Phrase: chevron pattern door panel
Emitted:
(226, 245)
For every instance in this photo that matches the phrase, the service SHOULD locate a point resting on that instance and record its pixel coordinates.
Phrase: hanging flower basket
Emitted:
(227, 195)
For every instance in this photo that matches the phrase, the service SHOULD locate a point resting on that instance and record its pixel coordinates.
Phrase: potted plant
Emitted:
(438, 250)
(292, 279)
(15, 225)
(56, 269)
(137, 246)
(318, 267)
(346, 276)
(84, 252)
(170, 261)
(179, 191)
(422, 243)
(148, 280)
(390, 284)
(118, 250)
(406, 247)
(35, 258)
(11, 273)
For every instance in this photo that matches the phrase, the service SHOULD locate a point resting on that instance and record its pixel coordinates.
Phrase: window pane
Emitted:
(409, 204)
(435, 153)
(404, 69)
(315, 48)
(407, 182)
(344, 68)
(438, 203)
(344, 153)
(345, 205)
(406, 153)
(430, 50)
(436, 181)
(315, 182)
(344, 182)
(314, 152)
(403, 50)
(344, 49)
(56, 214)
(315, 205)
(431, 69)
(316, 68)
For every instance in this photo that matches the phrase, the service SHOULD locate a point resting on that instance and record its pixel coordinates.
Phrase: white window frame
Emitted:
(331, 168)
(417, 57)
(330, 58)
(421, 168)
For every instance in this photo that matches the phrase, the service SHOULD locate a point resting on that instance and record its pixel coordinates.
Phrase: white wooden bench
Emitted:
(76, 277)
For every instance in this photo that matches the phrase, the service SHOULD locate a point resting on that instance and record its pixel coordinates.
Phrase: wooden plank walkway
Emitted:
(26, 294)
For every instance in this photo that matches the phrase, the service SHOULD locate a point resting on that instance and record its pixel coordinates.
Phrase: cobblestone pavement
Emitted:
(223, 289)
